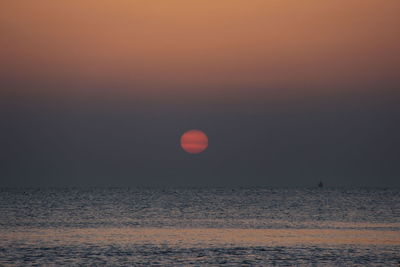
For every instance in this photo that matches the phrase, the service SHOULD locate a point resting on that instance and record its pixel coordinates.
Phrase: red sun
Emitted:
(194, 141)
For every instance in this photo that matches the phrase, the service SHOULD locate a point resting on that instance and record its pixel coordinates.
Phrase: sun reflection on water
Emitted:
(198, 237)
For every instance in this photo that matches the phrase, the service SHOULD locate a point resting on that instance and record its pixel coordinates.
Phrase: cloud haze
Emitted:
(289, 92)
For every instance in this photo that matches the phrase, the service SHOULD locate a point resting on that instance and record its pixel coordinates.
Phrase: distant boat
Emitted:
(320, 185)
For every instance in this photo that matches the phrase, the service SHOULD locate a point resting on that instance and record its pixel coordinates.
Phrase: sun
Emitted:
(194, 141)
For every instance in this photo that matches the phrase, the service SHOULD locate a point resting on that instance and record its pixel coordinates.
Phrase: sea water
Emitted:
(199, 226)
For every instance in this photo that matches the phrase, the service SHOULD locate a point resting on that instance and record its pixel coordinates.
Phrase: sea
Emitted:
(200, 226)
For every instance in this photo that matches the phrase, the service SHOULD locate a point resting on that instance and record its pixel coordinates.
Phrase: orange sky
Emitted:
(217, 47)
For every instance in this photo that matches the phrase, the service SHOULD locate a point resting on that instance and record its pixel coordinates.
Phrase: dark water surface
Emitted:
(208, 226)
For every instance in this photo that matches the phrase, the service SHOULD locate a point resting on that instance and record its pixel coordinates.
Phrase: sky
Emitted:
(98, 93)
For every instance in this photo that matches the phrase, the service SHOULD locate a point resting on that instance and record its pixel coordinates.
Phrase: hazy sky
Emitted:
(289, 92)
